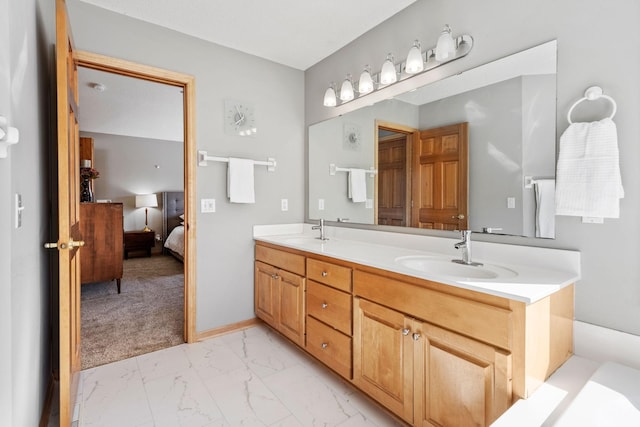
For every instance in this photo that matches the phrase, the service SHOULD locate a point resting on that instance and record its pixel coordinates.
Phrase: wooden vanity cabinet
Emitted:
(431, 353)
(329, 314)
(425, 374)
(279, 291)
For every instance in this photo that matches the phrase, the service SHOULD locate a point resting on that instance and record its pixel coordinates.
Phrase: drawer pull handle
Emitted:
(325, 274)
(416, 337)
(405, 332)
(324, 345)
(324, 305)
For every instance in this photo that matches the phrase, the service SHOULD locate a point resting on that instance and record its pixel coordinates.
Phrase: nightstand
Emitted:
(138, 241)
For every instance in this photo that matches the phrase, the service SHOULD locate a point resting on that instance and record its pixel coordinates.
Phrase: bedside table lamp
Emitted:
(146, 201)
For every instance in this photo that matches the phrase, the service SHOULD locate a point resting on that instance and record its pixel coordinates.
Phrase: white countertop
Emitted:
(532, 282)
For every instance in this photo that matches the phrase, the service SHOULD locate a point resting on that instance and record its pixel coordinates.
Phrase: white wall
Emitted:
(608, 294)
(224, 283)
(26, 38)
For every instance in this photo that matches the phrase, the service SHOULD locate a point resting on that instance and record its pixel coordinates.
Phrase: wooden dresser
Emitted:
(101, 226)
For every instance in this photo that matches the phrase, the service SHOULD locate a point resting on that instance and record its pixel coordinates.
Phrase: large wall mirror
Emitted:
(459, 153)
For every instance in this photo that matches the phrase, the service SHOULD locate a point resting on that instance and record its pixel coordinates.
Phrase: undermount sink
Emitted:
(444, 267)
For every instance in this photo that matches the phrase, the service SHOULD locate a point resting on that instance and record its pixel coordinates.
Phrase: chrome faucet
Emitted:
(465, 245)
(320, 227)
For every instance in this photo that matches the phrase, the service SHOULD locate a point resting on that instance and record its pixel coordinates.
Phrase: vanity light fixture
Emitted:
(414, 63)
(365, 83)
(388, 73)
(446, 46)
(346, 90)
(330, 96)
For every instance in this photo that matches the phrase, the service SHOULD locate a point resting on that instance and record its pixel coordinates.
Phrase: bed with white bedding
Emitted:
(173, 223)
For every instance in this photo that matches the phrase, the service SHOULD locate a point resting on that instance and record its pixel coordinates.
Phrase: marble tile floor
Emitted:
(246, 378)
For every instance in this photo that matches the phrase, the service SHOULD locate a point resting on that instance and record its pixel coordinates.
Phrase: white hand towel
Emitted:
(545, 208)
(240, 183)
(588, 173)
(357, 185)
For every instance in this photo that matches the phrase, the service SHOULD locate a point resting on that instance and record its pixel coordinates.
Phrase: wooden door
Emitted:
(459, 381)
(291, 296)
(383, 356)
(266, 293)
(392, 180)
(440, 178)
(69, 238)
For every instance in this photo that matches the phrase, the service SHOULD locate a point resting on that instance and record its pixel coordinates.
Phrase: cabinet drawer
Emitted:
(330, 274)
(281, 259)
(329, 346)
(329, 305)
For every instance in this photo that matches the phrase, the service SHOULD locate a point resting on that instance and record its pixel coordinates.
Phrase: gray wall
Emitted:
(127, 167)
(224, 285)
(608, 294)
(26, 38)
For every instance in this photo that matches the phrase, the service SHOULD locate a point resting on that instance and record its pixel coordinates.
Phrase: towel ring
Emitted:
(591, 94)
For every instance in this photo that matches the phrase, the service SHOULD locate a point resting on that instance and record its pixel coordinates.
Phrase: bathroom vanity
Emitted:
(433, 345)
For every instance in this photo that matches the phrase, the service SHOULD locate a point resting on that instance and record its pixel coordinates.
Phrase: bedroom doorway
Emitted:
(185, 84)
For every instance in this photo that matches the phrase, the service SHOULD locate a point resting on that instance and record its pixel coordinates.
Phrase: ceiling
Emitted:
(296, 33)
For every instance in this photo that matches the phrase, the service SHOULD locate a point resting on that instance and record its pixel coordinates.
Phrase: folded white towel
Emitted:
(357, 185)
(545, 208)
(588, 174)
(240, 183)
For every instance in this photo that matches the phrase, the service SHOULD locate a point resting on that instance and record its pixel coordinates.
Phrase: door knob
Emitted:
(461, 216)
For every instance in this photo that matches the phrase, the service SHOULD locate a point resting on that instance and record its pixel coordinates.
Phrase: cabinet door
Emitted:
(291, 301)
(383, 356)
(266, 293)
(459, 381)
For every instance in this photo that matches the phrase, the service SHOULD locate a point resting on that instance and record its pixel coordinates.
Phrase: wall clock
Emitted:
(351, 137)
(239, 118)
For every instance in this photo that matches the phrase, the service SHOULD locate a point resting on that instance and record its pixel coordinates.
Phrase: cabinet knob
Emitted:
(275, 276)
(416, 337)
(324, 305)
(405, 331)
(324, 345)
(325, 274)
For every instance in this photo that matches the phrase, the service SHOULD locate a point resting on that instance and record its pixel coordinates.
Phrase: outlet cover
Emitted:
(284, 205)
(320, 204)
(511, 202)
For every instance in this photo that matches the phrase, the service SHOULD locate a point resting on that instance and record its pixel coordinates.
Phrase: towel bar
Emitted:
(333, 169)
(203, 158)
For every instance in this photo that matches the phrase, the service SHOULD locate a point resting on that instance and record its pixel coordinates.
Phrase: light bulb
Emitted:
(346, 90)
(365, 84)
(388, 72)
(414, 63)
(446, 46)
(330, 96)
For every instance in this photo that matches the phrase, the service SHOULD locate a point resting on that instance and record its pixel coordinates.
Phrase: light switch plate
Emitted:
(511, 202)
(207, 205)
(320, 204)
(284, 205)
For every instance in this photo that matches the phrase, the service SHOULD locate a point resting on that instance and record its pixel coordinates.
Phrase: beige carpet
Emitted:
(147, 315)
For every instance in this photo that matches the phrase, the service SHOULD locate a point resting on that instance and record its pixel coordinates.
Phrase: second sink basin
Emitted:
(444, 267)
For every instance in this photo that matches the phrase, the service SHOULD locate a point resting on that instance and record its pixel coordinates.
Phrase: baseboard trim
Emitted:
(48, 402)
(227, 329)
(603, 344)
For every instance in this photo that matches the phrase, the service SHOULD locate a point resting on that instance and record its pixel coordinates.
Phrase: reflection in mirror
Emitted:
(451, 155)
